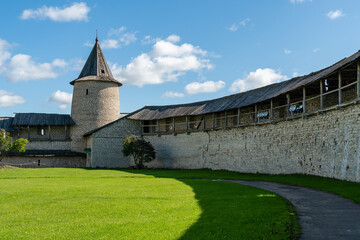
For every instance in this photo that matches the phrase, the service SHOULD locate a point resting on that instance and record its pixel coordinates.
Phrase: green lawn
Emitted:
(130, 204)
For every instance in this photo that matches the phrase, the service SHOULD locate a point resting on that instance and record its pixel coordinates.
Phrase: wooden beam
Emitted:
(304, 101)
(339, 85)
(213, 121)
(49, 129)
(204, 117)
(271, 110)
(321, 95)
(238, 120)
(226, 120)
(187, 123)
(173, 130)
(28, 127)
(358, 79)
(66, 136)
(158, 126)
(255, 119)
(288, 103)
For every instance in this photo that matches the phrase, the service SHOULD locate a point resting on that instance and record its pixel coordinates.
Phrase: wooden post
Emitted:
(255, 119)
(358, 79)
(213, 121)
(340, 91)
(238, 120)
(288, 104)
(28, 127)
(226, 120)
(321, 95)
(304, 101)
(187, 124)
(271, 110)
(49, 129)
(173, 130)
(204, 117)
(158, 126)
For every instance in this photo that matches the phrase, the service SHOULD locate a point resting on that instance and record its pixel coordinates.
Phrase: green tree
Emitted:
(8, 145)
(141, 150)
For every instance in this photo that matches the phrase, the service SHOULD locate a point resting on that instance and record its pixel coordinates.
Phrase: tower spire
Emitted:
(96, 39)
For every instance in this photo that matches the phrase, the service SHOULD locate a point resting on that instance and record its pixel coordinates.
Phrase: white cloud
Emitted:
(172, 94)
(173, 38)
(165, 63)
(287, 51)
(22, 68)
(259, 78)
(149, 40)
(235, 26)
(117, 38)
(75, 12)
(316, 50)
(4, 54)
(205, 87)
(299, 1)
(335, 14)
(63, 99)
(59, 63)
(110, 43)
(8, 99)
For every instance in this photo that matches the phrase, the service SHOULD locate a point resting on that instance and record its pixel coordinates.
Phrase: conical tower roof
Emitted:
(96, 68)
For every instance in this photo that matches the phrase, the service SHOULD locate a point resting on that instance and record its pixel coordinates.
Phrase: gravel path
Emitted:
(322, 215)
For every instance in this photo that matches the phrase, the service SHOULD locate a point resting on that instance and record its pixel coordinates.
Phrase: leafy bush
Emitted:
(141, 150)
(8, 145)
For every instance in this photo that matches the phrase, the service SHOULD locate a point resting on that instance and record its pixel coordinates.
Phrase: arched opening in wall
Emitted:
(280, 107)
(87, 92)
(348, 83)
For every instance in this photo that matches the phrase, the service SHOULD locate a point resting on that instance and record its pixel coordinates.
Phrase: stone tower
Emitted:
(95, 99)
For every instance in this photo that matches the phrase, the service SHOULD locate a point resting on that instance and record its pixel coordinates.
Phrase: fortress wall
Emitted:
(48, 145)
(107, 144)
(326, 144)
(45, 161)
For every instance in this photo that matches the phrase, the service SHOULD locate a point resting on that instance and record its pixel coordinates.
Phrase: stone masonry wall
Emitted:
(326, 144)
(107, 144)
(45, 161)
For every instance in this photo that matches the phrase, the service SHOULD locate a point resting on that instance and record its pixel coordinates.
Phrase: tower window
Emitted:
(87, 91)
(102, 71)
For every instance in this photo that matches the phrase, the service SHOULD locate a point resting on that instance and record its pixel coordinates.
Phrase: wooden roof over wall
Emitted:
(240, 99)
(42, 119)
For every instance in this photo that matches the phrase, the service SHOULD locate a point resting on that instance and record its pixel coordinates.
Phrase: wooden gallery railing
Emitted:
(260, 113)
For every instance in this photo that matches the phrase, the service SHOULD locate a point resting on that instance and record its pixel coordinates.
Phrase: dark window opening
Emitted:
(87, 91)
(102, 71)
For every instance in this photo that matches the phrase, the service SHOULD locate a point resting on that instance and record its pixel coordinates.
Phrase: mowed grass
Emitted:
(124, 204)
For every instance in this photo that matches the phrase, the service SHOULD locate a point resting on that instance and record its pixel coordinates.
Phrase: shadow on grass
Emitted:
(234, 211)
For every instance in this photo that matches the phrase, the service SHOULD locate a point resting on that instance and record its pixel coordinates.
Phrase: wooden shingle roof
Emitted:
(238, 100)
(42, 119)
(96, 68)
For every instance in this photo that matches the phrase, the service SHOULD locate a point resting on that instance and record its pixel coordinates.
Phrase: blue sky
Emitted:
(167, 52)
